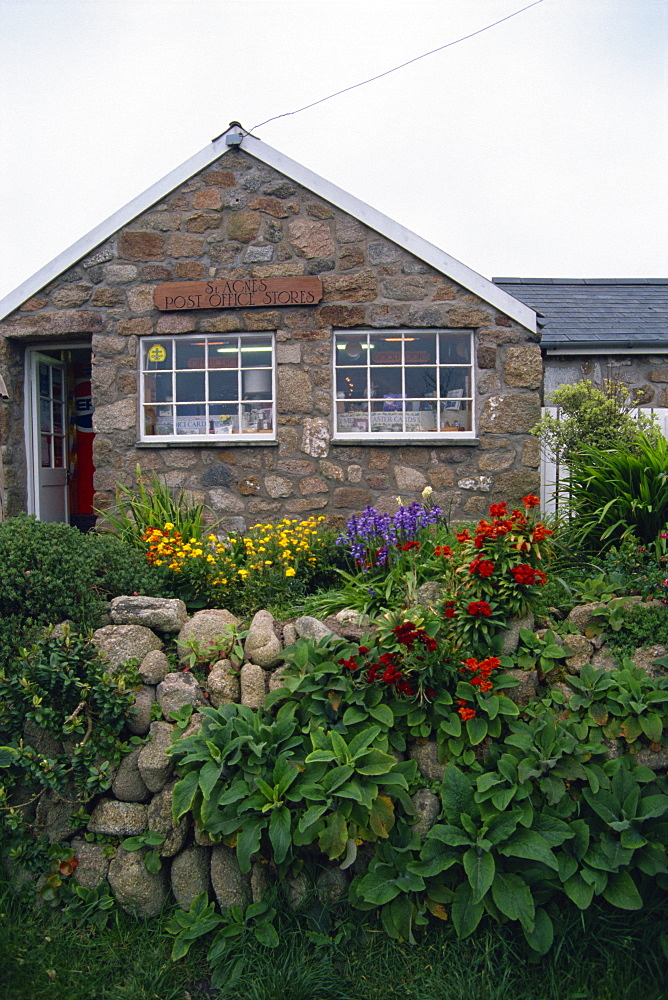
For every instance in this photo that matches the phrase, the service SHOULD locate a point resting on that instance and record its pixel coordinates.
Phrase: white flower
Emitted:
(427, 492)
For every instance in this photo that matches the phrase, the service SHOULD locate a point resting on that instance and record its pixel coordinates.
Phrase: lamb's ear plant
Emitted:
(259, 781)
(542, 652)
(624, 702)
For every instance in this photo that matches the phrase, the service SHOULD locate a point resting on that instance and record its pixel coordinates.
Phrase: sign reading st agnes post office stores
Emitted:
(238, 293)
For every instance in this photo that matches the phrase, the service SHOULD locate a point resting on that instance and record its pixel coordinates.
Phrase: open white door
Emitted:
(47, 431)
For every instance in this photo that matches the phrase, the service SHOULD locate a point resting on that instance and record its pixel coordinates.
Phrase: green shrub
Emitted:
(62, 714)
(641, 625)
(592, 416)
(52, 572)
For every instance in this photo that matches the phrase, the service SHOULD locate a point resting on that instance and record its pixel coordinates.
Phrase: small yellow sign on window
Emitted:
(157, 353)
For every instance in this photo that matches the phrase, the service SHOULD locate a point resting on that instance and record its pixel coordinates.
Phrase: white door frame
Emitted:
(31, 418)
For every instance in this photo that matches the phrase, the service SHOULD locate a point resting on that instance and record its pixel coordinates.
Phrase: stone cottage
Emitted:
(256, 335)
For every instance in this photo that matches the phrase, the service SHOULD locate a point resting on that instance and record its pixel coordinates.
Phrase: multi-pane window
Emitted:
(207, 385)
(403, 382)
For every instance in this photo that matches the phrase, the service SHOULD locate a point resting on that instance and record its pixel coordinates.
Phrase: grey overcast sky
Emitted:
(537, 148)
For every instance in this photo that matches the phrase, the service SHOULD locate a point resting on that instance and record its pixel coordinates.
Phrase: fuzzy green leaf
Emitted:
(621, 891)
(479, 867)
(248, 841)
(578, 891)
(466, 914)
(513, 897)
(184, 794)
(456, 794)
(280, 833)
(542, 935)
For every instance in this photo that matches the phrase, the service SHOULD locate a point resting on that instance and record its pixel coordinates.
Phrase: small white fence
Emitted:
(551, 471)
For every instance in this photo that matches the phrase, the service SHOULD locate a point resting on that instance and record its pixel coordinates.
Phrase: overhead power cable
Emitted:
(395, 69)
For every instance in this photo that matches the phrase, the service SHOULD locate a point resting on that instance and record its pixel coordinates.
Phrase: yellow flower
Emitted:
(210, 558)
(268, 562)
(168, 526)
(290, 571)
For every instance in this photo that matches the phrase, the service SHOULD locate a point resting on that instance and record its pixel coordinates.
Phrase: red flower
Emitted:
(498, 509)
(464, 536)
(362, 650)
(540, 532)
(466, 713)
(531, 501)
(449, 613)
(350, 664)
(443, 550)
(408, 546)
(540, 577)
(524, 575)
(485, 567)
(479, 609)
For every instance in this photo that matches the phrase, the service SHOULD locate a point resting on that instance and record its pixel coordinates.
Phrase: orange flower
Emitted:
(531, 501)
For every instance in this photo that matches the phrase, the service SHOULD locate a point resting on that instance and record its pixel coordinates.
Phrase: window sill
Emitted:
(211, 442)
(402, 442)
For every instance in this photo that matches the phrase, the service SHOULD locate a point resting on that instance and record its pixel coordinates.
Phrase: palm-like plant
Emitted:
(614, 494)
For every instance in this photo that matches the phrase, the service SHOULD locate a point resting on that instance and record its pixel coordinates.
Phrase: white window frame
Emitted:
(231, 436)
(425, 433)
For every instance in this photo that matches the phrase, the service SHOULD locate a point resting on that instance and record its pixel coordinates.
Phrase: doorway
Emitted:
(59, 435)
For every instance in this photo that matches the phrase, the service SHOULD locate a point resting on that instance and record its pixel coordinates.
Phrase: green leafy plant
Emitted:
(147, 841)
(542, 652)
(152, 505)
(600, 417)
(61, 690)
(623, 702)
(641, 625)
(260, 780)
(52, 572)
(618, 494)
(91, 906)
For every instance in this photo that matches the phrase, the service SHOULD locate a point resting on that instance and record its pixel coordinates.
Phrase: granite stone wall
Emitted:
(241, 219)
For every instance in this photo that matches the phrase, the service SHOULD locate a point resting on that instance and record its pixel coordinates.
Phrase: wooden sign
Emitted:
(237, 293)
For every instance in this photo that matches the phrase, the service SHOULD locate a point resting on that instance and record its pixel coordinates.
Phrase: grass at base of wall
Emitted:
(603, 955)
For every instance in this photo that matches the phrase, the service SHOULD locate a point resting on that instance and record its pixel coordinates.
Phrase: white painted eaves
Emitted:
(414, 244)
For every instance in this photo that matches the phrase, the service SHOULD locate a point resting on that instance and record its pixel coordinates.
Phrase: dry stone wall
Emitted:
(242, 219)
(140, 797)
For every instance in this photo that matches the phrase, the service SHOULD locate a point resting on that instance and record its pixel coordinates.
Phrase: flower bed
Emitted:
(440, 766)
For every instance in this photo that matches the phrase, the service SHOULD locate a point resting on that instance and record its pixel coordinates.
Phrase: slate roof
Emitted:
(615, 313)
